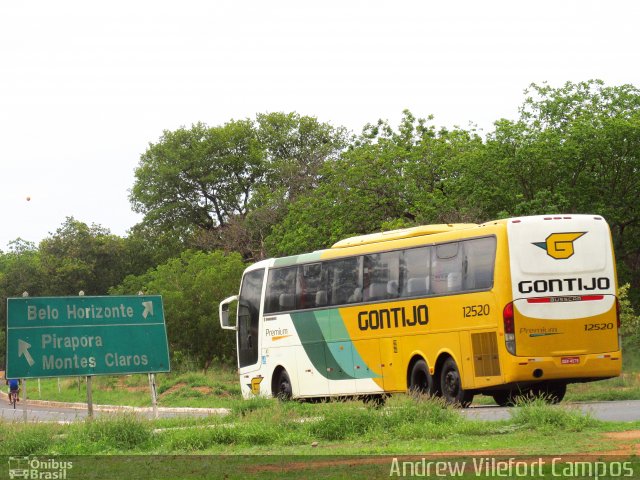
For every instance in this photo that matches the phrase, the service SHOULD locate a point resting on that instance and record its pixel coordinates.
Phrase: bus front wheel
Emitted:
(451, 385)
(283, 389)
(420, 380)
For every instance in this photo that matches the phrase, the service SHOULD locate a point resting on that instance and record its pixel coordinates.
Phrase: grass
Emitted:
(264, 438)
(219, 387)
(404, 425)
(624, 387)
(216, 388)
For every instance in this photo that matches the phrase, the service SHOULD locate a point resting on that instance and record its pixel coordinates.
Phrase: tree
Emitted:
(192, 287)
(574, 149)
(81, 257)
(206, 182)
(200, 177)
(20, 271)
(149, 245)
(629, 324)
(386, 179)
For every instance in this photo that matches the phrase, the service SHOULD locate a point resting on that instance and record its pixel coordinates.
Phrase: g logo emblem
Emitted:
(560, 245)
(255, 385)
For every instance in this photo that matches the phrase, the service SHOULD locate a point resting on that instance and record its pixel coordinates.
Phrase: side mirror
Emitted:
(224, 313)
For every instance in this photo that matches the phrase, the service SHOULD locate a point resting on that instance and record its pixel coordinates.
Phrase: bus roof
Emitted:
(402, 233)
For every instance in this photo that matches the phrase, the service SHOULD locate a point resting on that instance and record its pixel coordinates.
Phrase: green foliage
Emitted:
(192, 287)
(81, 257)
(624, 387)
(574, 149)
(76, 257)
(198, 177)
(630, 323)
(385, 178)
(20, 271)
(225, 186)
(405, 424)
(283, 183)
(123, 432)
(343, 423)
(537, 414)
(28, 440)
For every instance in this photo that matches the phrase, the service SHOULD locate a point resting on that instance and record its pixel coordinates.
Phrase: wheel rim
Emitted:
(285, 388)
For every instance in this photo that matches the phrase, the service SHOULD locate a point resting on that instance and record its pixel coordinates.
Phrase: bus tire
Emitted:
(420, 380)
(375, 400)
(451, 385)
(283, 391)
(551, 393)
(504, 398)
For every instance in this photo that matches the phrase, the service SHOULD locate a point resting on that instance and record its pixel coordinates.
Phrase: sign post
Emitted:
(89, 396)
(85, 336)
(24, 399)
(154, 394)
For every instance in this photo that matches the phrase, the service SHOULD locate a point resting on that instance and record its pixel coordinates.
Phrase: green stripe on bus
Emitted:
(337, 357)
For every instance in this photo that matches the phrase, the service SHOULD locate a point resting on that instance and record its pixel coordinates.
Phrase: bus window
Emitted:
(312, 286)
(248, 317)
(446, 270)
(480, 255)
(281, 290)
(345, 281)
(381, 276)
(416, 269)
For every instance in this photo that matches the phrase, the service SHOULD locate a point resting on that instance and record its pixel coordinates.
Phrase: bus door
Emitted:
(248, 323)
(564, 287)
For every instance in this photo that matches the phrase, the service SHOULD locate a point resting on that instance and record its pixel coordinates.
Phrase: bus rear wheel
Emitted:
(509, 398)
(451, 385)
(283, 389)
(504, 398)
(552, 393)
(420, 380)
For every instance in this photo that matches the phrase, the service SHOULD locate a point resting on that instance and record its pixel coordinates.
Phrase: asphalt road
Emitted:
(621, 411)
(47, 413)
(618, 411)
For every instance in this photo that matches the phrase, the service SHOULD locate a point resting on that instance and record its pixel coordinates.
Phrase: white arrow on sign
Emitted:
(148, 309)
(23, 349)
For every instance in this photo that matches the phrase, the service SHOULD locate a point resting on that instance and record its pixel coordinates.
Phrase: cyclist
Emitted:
(14, 386)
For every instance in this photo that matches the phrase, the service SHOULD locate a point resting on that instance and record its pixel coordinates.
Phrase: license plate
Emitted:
(570, 360)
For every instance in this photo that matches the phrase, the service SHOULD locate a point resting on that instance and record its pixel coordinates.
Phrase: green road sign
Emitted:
(69, 336)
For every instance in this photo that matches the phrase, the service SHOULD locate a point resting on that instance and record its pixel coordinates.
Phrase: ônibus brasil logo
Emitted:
(560, 245)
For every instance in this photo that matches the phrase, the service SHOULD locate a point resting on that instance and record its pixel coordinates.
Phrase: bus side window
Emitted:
(480, 255)
(312, 286)
(281, 290)
(446, 270)
(415, 268)
(344, 281)
(381, 275)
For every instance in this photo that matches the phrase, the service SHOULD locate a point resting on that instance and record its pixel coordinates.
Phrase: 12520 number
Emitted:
(476, 310)
(594, 327)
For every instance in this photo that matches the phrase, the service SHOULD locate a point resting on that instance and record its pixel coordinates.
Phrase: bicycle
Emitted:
(13, 398)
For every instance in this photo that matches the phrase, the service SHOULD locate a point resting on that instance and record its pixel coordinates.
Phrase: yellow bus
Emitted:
(516, 306)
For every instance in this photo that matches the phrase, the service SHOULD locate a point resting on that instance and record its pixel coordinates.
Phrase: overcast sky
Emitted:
(85, 86)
